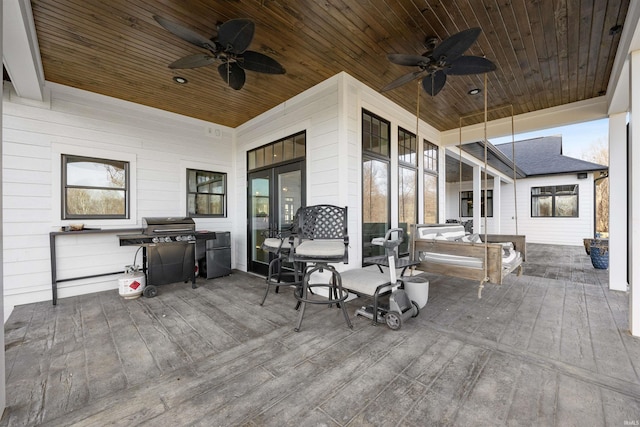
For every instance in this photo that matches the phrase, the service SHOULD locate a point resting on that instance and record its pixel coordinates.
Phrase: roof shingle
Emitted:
(543, 156)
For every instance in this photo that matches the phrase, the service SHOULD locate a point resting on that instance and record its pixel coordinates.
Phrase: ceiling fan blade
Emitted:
(193, 61)
(232, 74)
(408, 60)
(236, 35)
(403, 80)
(434, 82)
(185, 33)
(470, 65)
(255, 61)
(453, 47)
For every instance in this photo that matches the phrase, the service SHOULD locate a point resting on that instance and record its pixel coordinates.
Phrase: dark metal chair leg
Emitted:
(305, 282)
(268, 279)
(336, 294)
(342, 305)
(296, 277)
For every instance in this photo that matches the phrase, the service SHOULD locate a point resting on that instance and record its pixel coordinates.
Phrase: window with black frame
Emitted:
(430, 181)
(555, 201)
(206, 193)
(407, 184)
(94, 188)
(466, 204)
(376, 165)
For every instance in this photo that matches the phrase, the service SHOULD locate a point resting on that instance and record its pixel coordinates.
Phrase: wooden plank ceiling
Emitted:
(547, 52)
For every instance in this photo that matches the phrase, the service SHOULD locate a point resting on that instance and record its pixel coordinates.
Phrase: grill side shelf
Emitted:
(52, 250)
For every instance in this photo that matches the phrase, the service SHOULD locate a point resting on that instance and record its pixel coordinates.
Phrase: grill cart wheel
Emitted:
(150, 291)
(416, 307)
(394, 320)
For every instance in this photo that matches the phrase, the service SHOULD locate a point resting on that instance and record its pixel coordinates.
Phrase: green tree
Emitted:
(598, 152)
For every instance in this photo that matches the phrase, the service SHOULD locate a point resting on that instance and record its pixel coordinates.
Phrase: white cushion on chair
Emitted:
(272, 243)
(321, 248)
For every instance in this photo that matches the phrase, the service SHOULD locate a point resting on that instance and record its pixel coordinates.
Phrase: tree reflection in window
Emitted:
(555, 201)
(94, 188)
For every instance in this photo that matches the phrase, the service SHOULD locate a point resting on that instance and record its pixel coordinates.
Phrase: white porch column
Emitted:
(3, 394)
(497, 205)
(442, 186)
(477, 188)
(634, 182)
(618, 202)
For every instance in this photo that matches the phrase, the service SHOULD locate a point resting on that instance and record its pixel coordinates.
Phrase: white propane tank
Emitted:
(131, 283)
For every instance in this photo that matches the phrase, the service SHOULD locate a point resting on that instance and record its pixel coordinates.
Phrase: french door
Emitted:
(274, 196)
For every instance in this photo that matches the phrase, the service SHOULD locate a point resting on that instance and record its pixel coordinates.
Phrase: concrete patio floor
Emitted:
(549, 348)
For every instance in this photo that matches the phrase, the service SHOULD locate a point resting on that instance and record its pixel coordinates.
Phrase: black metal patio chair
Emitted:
(279, 243)
(323, 240)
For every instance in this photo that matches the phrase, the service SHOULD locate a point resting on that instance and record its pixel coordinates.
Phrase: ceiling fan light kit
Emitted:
(441, 60)
(228, 46)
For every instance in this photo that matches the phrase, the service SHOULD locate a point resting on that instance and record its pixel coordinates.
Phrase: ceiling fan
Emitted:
(229, 46)
(439, 61)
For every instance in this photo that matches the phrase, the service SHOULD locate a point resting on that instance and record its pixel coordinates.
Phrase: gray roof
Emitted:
(543, 156)
(495, 158)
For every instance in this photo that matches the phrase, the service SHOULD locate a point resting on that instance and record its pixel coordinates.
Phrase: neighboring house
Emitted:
(555, 197)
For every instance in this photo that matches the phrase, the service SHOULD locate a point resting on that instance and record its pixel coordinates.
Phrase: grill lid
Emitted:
(160, 225)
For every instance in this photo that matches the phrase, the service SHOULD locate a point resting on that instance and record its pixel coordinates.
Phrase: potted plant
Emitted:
(599, 252)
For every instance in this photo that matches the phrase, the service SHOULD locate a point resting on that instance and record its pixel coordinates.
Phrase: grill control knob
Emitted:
(155, 240)
(167, 239)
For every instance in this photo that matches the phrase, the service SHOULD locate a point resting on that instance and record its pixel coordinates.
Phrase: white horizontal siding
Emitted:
(557, 231)
(316, 112)
(162, 144)
(331, 114)
(452, 205)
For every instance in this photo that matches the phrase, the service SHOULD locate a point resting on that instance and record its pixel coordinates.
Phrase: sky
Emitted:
(576, 139)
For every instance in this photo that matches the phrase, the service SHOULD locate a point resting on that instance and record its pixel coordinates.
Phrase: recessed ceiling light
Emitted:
(180, 80)
(474, 91)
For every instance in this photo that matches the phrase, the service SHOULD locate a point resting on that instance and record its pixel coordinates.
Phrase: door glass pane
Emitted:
(259, 187)
(274, 197)
(289, 197)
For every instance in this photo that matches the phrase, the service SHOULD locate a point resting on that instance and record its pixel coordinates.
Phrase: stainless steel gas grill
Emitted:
(168, 250)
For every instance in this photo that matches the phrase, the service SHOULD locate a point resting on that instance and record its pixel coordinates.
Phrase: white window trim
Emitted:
(57, 150)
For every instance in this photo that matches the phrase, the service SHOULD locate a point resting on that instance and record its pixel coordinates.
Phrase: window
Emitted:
(206, 193)
(94, 188)
(375, 134)
(407, 147)
(466, 203)
(430, 178)
(555, 201)
(284, 150)
(407, 183)
(375, 181)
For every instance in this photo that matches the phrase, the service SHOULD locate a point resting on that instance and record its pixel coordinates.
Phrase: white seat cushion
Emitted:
(453, 260)
(450, 231)
(365, 282)
(321, 249)
(514, 258)
(272, 243)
